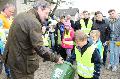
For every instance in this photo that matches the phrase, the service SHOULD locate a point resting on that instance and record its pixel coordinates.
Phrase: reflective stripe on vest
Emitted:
(68, 36)
(84, 66)
(45, 39)
(83, 26)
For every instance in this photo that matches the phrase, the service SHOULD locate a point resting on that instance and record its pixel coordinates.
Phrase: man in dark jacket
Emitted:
(25, 42)
(85, 23)
(102, 25)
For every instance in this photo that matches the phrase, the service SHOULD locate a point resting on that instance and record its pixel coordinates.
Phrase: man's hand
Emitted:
(60, 61)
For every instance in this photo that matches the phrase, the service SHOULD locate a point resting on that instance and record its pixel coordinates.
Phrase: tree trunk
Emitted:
(55, 7)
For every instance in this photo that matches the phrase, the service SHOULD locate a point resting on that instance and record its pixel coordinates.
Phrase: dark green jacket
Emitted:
(25, 44)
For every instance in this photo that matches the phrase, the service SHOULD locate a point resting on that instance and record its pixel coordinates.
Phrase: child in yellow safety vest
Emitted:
(87, 57)
(95, 35)
(45, 37)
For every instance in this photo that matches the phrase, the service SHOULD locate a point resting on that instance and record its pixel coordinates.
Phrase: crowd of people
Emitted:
(86, 41)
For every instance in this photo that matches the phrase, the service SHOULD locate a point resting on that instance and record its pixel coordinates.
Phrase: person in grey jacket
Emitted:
(114, 24)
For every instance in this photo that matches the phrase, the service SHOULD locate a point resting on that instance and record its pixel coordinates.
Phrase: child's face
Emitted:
(94, 38)
(81, 43)
(62, 20)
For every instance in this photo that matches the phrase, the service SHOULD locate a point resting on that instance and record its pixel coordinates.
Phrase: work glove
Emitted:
(117, 43)
(105, 44)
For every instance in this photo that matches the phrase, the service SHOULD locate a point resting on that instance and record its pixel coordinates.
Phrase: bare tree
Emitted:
(56, 5)
(50, 1)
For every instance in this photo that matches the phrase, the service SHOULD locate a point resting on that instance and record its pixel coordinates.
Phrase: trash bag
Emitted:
(63, 71)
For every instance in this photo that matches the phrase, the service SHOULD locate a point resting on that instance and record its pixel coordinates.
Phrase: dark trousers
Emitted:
(105, 54)
(63, 53)
(1, 64)
(19, 75)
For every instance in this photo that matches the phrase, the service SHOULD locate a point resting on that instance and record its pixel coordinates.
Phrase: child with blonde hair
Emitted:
(95, 35)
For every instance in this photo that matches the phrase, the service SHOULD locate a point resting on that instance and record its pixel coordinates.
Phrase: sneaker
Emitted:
(109, 66)
(114, 68)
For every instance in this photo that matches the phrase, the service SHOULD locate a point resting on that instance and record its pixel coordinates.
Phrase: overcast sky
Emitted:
(94, 5)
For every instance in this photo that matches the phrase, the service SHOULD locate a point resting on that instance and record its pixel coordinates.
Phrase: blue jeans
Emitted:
(105, 54)
(7, 70)
(114, 53)
(52, 41)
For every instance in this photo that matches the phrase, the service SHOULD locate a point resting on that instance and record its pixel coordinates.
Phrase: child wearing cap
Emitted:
(67, 40)
(45, 36)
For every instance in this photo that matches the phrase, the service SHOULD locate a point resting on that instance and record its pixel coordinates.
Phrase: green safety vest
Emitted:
(89, 26)
(59, 38)
(84, 66)
(45, 39)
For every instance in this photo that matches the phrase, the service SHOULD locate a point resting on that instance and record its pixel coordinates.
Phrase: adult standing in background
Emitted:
(6, 16)
(85, 23)
(101, 24)
(114, 24)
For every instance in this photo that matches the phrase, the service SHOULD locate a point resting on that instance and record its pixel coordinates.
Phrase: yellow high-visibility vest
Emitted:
(84, 66)
(83, 26)
(68, 42)
(6, 22)
(45, 39)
